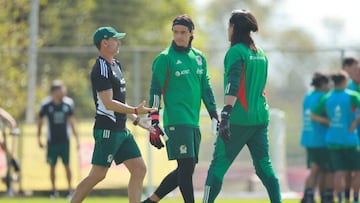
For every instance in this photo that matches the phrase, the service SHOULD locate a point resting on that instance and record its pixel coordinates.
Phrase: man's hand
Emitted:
(141, 109)
(41, 145)
(155, 133)
(224, 128)
(353, 125)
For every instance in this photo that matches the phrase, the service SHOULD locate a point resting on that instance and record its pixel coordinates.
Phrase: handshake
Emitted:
(156, 131)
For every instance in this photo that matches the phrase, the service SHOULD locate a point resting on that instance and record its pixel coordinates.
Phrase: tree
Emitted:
(13, 36)
(147, 24)
(70, 23)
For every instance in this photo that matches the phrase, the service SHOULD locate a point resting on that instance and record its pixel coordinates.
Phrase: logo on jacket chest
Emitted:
(186, 68)
(182, 72)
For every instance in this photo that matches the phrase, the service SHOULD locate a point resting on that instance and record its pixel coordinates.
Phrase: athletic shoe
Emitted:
(327, 201)
(69, 194)
(54, 194)
(307, 200)
(148, 200)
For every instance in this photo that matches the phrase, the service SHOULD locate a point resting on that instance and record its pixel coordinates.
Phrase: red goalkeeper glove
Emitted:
(155, 139)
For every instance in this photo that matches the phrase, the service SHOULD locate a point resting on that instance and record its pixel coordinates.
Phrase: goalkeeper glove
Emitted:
(224, 128)
(155, 139)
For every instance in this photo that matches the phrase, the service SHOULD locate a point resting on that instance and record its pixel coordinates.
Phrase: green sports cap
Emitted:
(105, 33)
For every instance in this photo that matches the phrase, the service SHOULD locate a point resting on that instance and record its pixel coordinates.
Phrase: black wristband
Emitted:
(136, 121)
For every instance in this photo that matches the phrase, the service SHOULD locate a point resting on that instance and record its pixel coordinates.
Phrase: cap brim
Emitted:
(119, 35)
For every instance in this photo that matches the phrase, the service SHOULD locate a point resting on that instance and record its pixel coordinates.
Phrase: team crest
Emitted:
(110, 158)
(183, 149)
(199, 60)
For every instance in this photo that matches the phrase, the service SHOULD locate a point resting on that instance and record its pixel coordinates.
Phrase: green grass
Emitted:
(124, 200)
(35, 170)
(32, 157)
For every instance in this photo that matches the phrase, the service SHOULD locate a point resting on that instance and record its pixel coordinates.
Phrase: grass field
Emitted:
(124, 200)
(35, 170)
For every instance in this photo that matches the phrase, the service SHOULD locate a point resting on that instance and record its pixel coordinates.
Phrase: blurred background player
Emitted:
(313, 139)
(60, 119)
(245, 115)
(341, 138)
(7, 120)
(180, 75)
(351, 66)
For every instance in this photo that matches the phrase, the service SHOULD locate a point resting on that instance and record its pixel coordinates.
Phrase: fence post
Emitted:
(32, 51)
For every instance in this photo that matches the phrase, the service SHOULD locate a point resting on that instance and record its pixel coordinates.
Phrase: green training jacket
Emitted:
(182, 80)
(245, 77)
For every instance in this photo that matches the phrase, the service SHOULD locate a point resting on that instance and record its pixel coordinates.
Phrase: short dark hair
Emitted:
(339, 77)
(349, 61)
(319, 79)
(244, 22)
(98, 46)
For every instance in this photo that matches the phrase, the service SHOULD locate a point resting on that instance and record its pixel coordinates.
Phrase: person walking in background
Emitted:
(245, 115)
(342, 138)
(60, 119)
(6, 119)
(113, 141)
(313, 139)
(179, 75)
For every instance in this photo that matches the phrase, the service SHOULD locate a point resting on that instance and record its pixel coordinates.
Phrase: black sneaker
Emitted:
(307, 200)
(148, 200)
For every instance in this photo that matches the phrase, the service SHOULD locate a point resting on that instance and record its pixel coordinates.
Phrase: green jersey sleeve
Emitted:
(207, 94)
(234, 72)
(355, 99)
(160, 71)
(320, 108)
